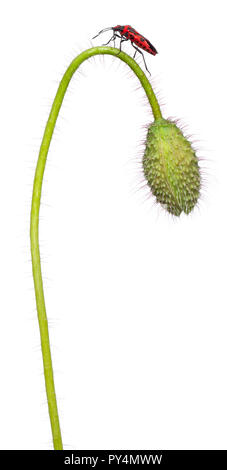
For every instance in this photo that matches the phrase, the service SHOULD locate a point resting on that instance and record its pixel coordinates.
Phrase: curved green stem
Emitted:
(34, 227)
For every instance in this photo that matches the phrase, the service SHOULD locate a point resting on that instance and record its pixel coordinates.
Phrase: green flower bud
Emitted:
(171, 167)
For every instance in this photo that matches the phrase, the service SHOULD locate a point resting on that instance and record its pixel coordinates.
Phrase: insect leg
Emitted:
(116, 36)
(122, 40)
(113, 38)
(137, 50)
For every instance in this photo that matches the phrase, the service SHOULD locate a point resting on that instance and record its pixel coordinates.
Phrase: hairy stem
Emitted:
(35, 208)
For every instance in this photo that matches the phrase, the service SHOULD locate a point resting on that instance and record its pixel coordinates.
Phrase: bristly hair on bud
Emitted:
(171, 167)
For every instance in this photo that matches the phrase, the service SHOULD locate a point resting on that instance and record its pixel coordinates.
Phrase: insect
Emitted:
(126, 33)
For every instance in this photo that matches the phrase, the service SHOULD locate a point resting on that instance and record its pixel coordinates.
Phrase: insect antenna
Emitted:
(102, 31)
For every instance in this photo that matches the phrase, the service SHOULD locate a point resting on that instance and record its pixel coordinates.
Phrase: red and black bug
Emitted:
(137, 40)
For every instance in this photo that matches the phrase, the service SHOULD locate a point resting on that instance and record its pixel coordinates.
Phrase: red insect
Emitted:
(129, 33)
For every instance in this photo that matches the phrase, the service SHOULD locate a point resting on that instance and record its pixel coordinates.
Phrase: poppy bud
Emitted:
(171, 167)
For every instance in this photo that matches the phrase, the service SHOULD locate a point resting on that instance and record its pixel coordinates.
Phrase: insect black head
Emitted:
(118, 28)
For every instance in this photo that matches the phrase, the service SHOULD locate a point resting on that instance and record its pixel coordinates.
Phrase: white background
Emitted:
(136, 299)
